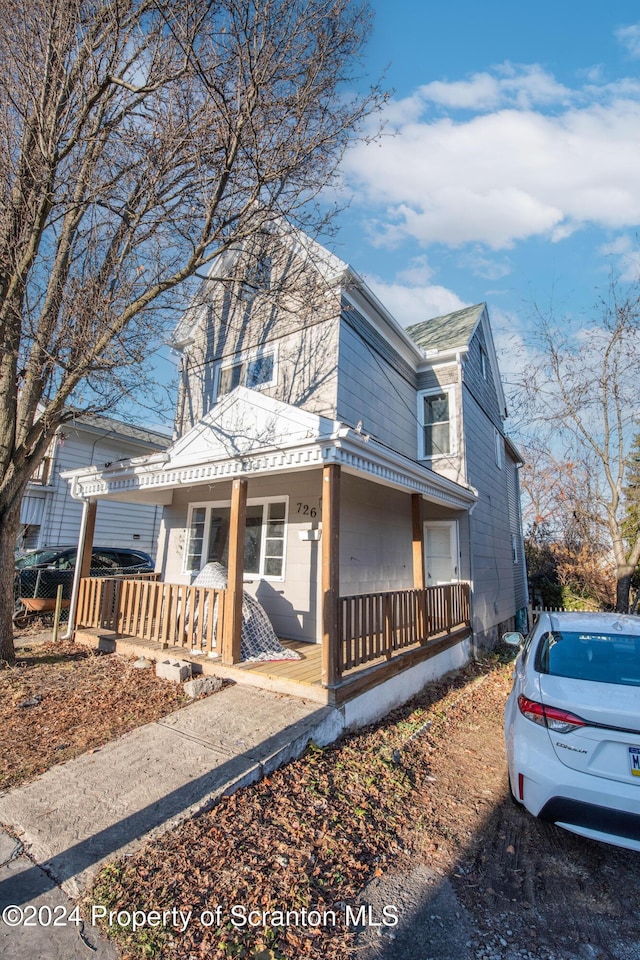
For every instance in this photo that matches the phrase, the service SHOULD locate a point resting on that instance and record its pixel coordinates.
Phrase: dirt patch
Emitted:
(61, 700)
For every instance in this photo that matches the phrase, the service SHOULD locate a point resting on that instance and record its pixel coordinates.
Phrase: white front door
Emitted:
(441, 551)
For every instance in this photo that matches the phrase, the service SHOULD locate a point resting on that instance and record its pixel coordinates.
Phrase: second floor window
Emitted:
(251, 372)
(257, 277)
(436, 425)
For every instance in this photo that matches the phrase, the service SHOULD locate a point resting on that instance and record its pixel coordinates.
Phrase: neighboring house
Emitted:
(371, 459)
(50, 516)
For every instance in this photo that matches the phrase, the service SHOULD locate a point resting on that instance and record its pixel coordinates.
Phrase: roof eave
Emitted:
(357, 454)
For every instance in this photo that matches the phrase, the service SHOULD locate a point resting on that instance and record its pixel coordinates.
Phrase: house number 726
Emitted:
(306, 510)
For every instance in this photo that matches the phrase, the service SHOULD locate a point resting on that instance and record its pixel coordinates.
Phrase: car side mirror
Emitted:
(513, 639)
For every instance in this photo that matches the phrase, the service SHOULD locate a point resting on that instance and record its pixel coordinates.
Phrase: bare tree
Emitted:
(566, 537)
(582, 392)
(141, 139)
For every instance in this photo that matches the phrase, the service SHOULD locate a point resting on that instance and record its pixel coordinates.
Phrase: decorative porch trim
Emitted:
(365, 457)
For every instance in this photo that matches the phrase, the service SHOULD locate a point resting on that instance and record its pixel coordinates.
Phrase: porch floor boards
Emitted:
(307, 670)
(299, 678)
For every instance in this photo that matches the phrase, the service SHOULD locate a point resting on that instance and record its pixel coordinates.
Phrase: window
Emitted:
(257, 277)
(600, 658)
(499, 445)
(264, 542)
(514, 547)
(253, 372)
(436, 422)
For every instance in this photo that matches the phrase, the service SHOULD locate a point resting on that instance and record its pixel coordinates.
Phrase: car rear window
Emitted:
(36, 557)
(607, 658)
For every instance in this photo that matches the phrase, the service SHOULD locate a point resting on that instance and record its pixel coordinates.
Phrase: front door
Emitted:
(441, 551)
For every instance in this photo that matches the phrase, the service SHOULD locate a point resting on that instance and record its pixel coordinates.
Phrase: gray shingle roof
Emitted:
(450, 332)
(108, 426)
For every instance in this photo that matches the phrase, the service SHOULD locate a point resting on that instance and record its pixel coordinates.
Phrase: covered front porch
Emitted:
(339, 561)
(378, 635)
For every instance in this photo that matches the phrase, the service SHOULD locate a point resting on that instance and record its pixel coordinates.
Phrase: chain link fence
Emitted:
(35, 591)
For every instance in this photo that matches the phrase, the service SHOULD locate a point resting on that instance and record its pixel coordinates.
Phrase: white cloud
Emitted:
(507, 173)
(487, 267)
(413, 304)
(418, 271)
(482, 91)
(626, 251)
(512, 86)
(629, 37)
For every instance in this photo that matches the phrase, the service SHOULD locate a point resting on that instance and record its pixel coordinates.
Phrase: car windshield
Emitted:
(36, 557)
(607, 658)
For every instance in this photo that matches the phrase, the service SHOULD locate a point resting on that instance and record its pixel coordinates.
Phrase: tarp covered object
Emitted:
(259, 641)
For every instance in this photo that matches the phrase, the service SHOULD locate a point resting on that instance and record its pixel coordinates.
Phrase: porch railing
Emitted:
(171, 614)
(376, 625)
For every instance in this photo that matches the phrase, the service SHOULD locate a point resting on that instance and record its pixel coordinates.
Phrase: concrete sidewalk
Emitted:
(80, 814)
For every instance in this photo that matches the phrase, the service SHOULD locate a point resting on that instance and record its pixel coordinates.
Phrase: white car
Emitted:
(572, 724)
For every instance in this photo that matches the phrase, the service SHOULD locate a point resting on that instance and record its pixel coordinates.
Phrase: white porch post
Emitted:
(83, 559)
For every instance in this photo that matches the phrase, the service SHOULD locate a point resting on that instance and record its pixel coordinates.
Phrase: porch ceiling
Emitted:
(248, 434)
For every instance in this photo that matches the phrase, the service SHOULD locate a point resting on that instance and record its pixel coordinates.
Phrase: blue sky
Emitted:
(510, 169)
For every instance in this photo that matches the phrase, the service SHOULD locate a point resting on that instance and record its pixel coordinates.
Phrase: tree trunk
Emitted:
(9, 525)
(623, 586)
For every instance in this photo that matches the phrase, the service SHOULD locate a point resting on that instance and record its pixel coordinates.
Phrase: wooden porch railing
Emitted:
(171, 614)
(375, 625)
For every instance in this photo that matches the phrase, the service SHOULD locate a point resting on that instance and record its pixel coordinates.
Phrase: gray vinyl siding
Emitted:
(375, 538)
(431, 380)
(490, 523)
(299, 320)
(117, 524)
(484, 390)
(515, 522)
(442, 376)
(376, 388)
(306, 373)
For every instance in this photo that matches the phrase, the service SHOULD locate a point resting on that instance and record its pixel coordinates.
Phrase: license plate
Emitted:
(634, 760)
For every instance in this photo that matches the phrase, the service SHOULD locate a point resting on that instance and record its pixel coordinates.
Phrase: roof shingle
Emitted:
(450, 332)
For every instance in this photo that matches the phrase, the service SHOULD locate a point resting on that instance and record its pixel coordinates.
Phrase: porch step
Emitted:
(109, 642)
(244, 673)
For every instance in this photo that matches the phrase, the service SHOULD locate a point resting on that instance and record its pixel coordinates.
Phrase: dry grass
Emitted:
(62, 700)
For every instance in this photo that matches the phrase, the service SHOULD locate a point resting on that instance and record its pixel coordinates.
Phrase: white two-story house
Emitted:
(352, 474)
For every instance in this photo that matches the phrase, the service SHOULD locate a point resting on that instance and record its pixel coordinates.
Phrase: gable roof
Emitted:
(243, 423)
(107, 426)
(453, 332)
(330, 267)
(449, 332)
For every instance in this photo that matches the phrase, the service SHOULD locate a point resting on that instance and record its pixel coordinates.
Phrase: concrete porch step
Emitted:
(264, 675)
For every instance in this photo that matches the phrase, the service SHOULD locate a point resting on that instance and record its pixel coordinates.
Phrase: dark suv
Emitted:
(64, 558)
(39, 573)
